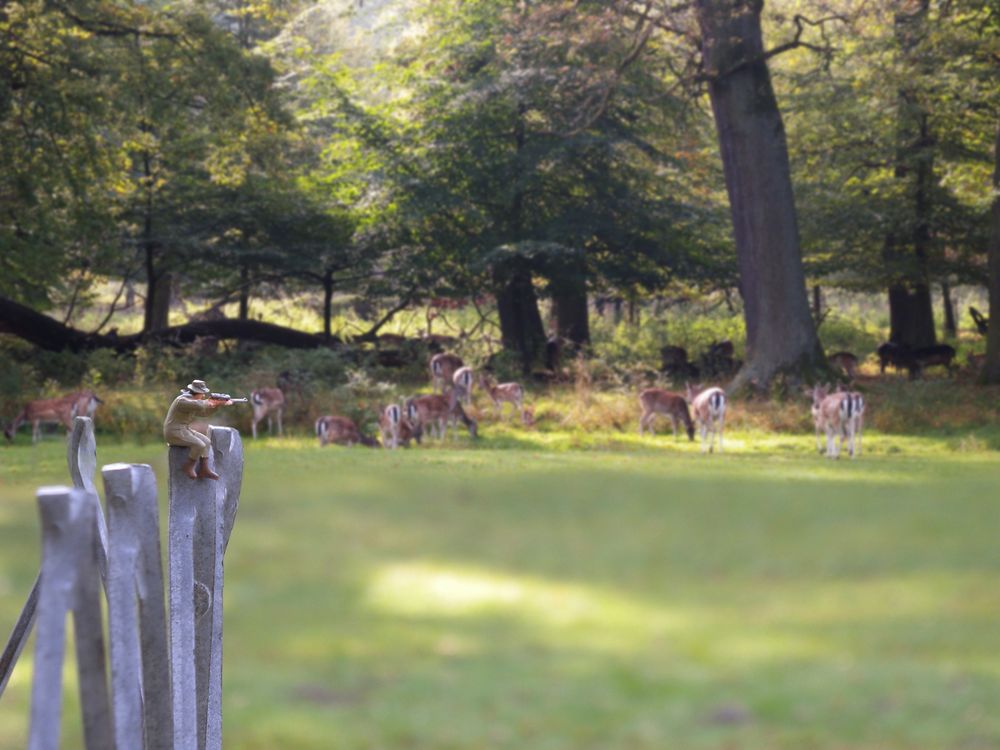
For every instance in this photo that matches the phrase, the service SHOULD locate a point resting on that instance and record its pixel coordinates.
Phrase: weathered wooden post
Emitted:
(70, 583)
(81, 456)
(140, 662)
(202, 513)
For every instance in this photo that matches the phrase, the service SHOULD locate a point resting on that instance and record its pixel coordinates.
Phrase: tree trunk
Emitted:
(991, 368)
(781, 334)
(817, 303)
(911, 316)
(521, 327)
(950, 325)
(911, 309)
(244, 310)
(569, 303)
(328, 303)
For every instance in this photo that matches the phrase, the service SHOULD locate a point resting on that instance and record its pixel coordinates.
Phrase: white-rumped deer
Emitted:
(341, 430)
(45, 411)
(396, 429)
(432, 414)
(835, 416)
(462, 380)
(85, 403)
(654, 401)
(511, 393)
(709, 408)
(443, 367)
(265, 402)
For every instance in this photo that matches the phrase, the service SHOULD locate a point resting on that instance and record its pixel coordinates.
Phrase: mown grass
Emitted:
(631, 595)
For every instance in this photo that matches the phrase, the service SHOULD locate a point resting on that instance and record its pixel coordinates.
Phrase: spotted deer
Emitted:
(654, 401)
(45, 411)
(844, 361)
(432, 414)
(511, 393)
(709, 407)
(462, 381)
(341, 430)
(265, 402)
(836, 417)
(443, 367)
(857, 409)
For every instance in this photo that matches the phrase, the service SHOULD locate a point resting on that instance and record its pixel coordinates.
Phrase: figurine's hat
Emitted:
(198, 386)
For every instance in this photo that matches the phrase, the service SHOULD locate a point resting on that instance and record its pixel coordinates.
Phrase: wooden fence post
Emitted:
(70, 583)
(202, 513)
(81, 456)
(140, 663)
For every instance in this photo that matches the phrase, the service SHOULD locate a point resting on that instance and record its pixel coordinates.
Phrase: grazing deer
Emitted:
(836, 415)
(391, 425)
(462, 380)
(85, 403)
(432, 414)
(655, 401)
(265, 402)
(341, 430)
(443, 368)
(844, 361)
(709, 407)
(511, 393)
(45, 411)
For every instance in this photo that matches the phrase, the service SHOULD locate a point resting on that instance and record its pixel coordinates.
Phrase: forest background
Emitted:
(618, 176)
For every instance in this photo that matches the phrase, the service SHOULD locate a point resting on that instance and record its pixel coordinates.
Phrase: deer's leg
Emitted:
(253, 426)
(281, 431)
(673, 423)
(36, 431)
(703, 429)
(721, 428)
(270, 426)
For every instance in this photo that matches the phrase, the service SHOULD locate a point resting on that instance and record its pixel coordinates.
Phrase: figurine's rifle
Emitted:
(226, 397)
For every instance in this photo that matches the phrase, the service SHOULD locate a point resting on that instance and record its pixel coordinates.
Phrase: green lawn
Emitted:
(627, 596)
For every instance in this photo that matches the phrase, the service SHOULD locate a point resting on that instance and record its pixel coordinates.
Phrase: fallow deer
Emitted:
(389, 425)
(443, 367)
(655, 401)
(44, 411)
(709, 407)
(462, 380)
(511, 393)
(432, 414)
(844, 361)
(835, 415)
(265, 402)
(341, 430)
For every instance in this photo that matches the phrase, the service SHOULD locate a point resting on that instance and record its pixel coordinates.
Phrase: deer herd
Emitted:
(838, 415)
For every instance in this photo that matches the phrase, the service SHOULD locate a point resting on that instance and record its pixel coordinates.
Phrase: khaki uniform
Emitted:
(177, 426)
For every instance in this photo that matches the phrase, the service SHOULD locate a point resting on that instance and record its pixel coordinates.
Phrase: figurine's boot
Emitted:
(204, 472)
(188, 467)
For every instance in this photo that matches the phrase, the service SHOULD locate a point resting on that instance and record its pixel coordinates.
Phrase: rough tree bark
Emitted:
(781, 334)
(521, 327)
(911, 309)
(950, 323)
(991, 368)
(569, 308)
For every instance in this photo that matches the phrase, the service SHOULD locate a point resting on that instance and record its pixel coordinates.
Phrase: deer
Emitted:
(709, 407)
(857, 413)
(341, 430)
(396, 429)
(432, 414)
(265, 402)
(443, 367)
(655, 401)
(511, 393)
(462, 381)
(835, 415)
(844, 361)
(45, 411)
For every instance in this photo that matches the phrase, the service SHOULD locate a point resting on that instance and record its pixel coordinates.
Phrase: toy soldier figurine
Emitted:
(195, 401)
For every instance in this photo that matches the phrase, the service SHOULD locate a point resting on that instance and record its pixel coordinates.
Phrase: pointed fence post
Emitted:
(202, 513)
(81, 456)
(70, 583)
(140, 664)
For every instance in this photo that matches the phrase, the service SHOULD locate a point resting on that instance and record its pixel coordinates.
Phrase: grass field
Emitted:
(629, 595)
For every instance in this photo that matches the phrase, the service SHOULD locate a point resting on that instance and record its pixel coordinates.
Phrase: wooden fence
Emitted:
(165, 688)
